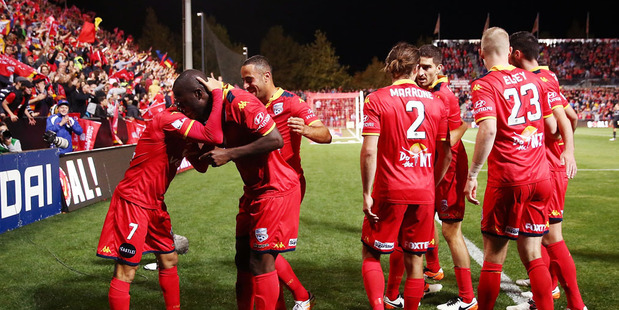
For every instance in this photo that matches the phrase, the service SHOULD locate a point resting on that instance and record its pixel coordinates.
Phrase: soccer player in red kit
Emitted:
(560, 154)
(405, 127)
(513, 115)
(294, 119)
(449, 202)
(137, 221)
(268, 219)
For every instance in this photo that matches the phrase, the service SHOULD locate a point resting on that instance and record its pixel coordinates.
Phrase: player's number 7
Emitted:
(134, 227)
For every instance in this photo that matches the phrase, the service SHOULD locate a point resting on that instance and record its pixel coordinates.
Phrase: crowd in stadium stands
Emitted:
(103, 74)
(100, 73)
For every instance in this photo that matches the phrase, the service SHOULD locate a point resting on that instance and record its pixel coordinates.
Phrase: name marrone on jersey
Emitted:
(410, 92)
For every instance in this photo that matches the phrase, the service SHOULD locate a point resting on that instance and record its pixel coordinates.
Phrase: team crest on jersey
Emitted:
(261, 234)
(528, 138)
(179, 123)
(278, 108)
(417, 156)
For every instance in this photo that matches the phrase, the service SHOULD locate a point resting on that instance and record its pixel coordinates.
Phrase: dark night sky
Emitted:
(362, 29)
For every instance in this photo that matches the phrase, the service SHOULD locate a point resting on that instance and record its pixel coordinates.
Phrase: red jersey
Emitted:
(516, 99)
(159, 153)
(554, 147)
(246, 119)
(282, 106)
(409, 121)
(441, 89)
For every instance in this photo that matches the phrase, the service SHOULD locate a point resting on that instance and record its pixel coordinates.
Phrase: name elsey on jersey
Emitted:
(514, 78)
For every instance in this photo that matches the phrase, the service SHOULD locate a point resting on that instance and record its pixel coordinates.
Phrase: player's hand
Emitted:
(32, 121)
(14, 118)
(297, 125)
(368, 203)
(568, 160)
(470, 190)
(217, 157)
(210, 83)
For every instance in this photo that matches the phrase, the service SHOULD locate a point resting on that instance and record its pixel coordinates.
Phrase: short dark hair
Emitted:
(431, 51)
(526, 43)
(259, 61)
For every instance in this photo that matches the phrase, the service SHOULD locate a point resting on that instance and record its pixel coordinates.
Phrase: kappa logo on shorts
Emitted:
(106, 250)
(261, 234)
(126, 250)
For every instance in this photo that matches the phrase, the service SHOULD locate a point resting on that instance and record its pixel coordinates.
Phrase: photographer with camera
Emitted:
(8, 144)
(60, 127)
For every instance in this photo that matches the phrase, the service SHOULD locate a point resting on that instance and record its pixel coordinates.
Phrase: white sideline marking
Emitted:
(507, 285)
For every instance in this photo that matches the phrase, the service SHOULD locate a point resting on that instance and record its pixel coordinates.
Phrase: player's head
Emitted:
(524, 47)
(494, 45)
(402, 61)
(190, 96)
(257, 77)
(430, 58)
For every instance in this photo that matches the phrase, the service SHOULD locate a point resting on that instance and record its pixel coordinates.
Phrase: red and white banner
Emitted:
(86, 141)
(135, 129)
(10, 65)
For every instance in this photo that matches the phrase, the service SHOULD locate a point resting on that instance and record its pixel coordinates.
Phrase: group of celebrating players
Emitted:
(413, 165)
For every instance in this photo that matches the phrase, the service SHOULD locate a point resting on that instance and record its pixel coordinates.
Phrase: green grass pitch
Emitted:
(51, 264)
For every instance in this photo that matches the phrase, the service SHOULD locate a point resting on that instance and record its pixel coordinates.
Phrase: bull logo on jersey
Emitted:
(278, 108)
(261, 234)
(529, 138)
(417, 156)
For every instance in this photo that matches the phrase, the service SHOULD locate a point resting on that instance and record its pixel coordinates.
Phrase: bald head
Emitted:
(187, 81)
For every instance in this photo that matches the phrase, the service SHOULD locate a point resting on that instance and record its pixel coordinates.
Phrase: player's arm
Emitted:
(483, 145)
(265, 144)
(369, 150)
(211, 132)
(456, 134)
(565, 128)
(315, 131)
(572, 116)
(443, 159)
(193, 153)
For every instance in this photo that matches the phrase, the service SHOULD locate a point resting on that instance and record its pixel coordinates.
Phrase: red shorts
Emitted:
(129, 231)
(512, 210)
(412, 226)
(557, 200)
(271, 223)
(449, 202)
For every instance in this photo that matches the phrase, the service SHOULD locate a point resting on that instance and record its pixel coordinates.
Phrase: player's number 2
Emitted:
(134, 227)
(412, 132)
(512, 93)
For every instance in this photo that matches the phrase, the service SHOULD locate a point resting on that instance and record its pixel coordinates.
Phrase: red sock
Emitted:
(396, 271)
(489, 285)
(118, 295)
(374, 282)
(561, 260)
(553, 273)
(168, 281)
(266, 290)
(432, 262)
(287, 276)
(540, 284)
(413, 292)
(465, 284)
(244, 290)
(281, 300)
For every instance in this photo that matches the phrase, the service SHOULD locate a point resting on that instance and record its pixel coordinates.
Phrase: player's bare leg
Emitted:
(414, 285)
(244, 279)
(529, 249)
(266, 282)
(452, 231)
(495, 251)
(168, 279)
(118, 295)
(561, 260)
(373, 278)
